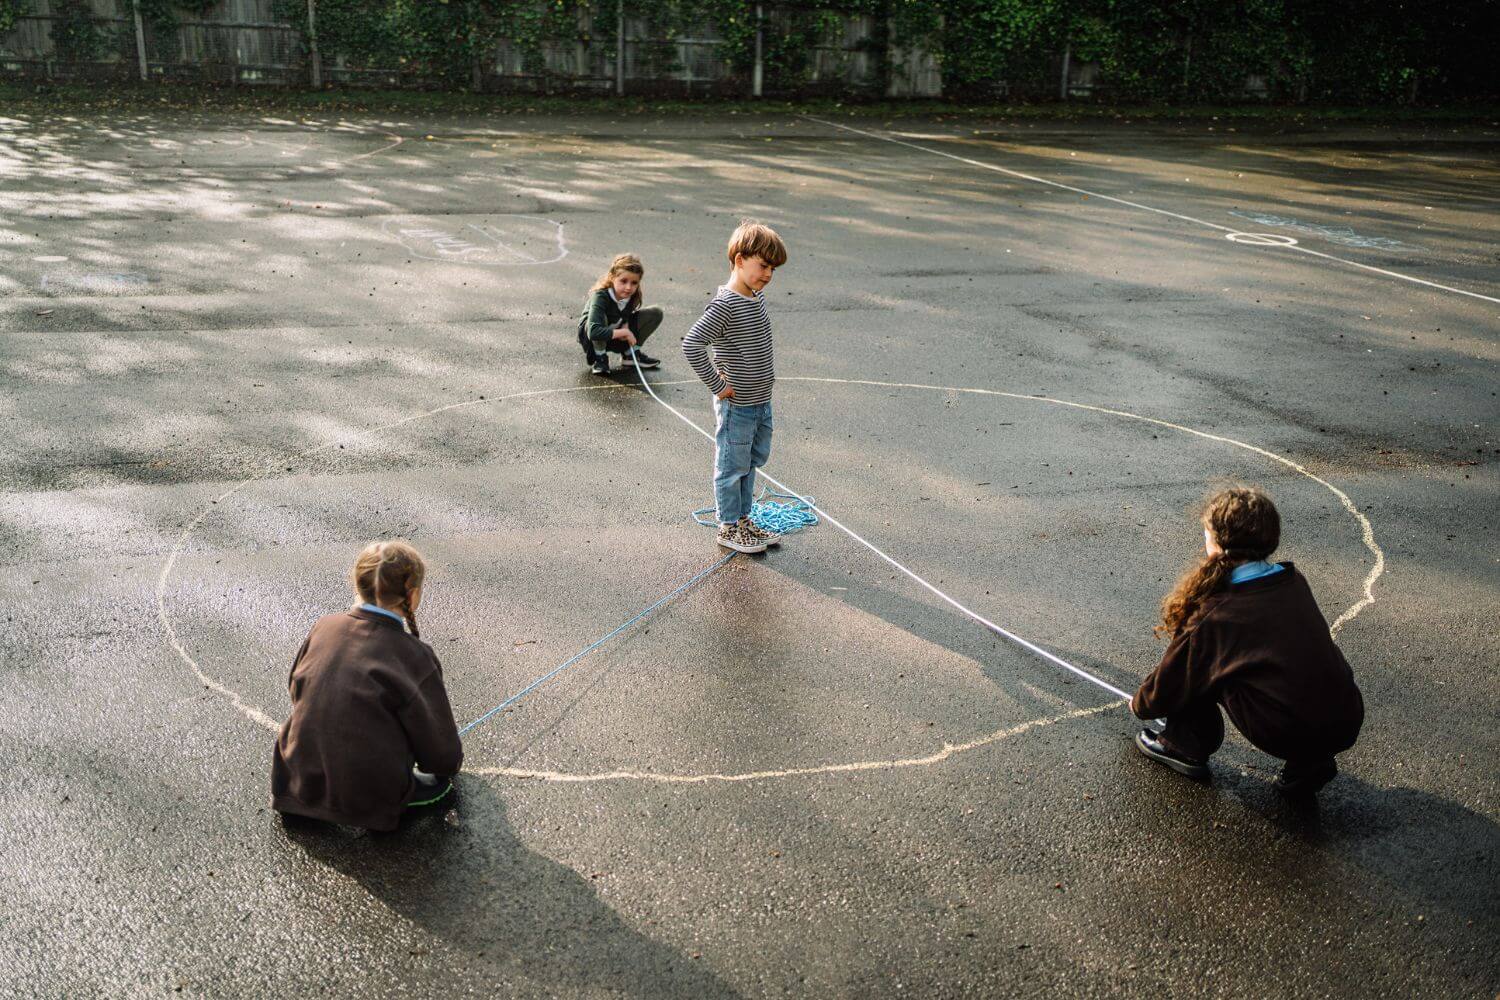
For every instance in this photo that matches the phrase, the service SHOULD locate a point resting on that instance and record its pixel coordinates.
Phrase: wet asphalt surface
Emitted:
(204, 317)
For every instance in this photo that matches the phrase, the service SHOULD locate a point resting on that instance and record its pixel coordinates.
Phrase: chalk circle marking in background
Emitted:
(947, 751)
(1261, 239)
(498, 241)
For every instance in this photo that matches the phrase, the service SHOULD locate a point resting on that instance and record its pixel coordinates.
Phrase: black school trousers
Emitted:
(643, 323)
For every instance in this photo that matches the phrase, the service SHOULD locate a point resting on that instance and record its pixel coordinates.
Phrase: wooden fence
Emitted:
(241, 42)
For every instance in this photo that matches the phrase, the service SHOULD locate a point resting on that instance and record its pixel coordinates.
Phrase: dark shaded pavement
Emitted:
(232, 293)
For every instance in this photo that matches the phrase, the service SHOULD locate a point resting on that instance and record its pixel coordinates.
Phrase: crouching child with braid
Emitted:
(371, 733)
(1247, 634)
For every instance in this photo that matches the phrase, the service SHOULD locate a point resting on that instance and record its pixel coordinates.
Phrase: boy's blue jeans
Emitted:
(742, 443)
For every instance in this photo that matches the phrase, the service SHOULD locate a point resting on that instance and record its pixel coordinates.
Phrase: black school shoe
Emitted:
(600, 365)
(1303, 779)
(1148, 742)
(642, 360)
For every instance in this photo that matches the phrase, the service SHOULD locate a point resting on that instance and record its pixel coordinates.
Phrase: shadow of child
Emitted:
(466, 878)
(1434, 853)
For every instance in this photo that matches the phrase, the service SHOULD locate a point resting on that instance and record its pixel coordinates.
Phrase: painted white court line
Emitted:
(1262, 239)
(948, 750)
(1298, 248)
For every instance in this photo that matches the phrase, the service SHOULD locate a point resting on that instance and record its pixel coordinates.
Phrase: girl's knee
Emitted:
(647, 319)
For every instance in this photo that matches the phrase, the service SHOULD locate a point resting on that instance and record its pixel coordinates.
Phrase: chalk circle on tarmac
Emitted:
(487, 241)
(1261, 239)
(948, 750)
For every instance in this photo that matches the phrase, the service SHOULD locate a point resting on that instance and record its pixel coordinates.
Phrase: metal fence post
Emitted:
(314, 61)
(620, 48)
(1062, 87)
(140, 40)
(757, 79)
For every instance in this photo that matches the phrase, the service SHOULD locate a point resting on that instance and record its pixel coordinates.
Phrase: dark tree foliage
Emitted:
(1136, 50)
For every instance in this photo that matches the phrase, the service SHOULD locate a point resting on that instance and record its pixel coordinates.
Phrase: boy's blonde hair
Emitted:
(756, 239)
(624, 262)
(389, 569)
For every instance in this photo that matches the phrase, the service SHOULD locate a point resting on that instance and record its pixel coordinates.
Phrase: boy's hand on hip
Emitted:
(728, 393)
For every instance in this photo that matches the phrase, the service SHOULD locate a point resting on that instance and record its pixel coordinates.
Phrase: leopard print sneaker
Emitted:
(732, 536)
(758, 533)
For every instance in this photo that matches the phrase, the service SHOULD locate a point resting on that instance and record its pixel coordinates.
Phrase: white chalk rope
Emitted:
(914, 577)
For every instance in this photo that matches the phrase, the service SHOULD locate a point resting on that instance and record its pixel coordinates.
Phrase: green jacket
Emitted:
(601, 316)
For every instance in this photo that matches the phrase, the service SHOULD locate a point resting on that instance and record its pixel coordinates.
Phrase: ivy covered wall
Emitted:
(1129, 50)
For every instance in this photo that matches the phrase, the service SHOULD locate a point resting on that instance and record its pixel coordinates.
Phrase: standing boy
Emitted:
(730, 349)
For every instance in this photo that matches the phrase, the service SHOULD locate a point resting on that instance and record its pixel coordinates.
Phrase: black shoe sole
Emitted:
(1191, 770)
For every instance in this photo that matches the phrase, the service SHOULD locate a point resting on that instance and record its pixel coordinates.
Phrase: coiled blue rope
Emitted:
(792, 513)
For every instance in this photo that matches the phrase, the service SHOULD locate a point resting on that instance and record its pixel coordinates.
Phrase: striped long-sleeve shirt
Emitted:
(731, 344)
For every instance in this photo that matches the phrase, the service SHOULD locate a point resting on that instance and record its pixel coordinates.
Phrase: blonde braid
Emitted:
(370, 580)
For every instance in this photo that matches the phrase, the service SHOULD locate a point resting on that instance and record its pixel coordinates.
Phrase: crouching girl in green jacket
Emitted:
(614, 320)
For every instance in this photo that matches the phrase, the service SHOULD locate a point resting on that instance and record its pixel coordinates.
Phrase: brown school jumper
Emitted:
(1262, 650)
(367, 703)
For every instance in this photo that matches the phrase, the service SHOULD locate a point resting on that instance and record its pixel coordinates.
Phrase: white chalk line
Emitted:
(1148, 208)
(502, 244)
(258, 717)
(905, 571)
(398, 230)
(1367, 533)
(250, 711)
(396, 140)
(296, 150)
(284, 149)
(948, 750)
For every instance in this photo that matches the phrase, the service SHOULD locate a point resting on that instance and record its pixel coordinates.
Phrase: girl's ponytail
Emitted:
(1246, 526)
(1210, 576)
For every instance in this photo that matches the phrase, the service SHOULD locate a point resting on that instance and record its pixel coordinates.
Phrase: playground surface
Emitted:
(1014, 354)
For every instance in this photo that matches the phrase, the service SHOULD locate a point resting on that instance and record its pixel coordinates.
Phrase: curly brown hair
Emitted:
(389, 569)
(623, 262)
(1245, 524)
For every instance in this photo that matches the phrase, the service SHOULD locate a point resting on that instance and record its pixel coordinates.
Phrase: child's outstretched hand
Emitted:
(622, 332)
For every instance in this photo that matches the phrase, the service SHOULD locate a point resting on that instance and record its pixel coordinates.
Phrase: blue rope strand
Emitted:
(794, 514)
(783, 514)
(595, 645)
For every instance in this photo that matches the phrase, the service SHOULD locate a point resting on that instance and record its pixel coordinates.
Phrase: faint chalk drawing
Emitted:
(99, 282)
(496, 241)
(1342, 235)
